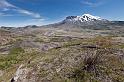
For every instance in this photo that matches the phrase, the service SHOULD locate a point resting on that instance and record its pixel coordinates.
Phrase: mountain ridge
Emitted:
(84, 21)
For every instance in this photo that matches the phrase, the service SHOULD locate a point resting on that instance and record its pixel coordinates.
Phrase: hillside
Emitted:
(63, 52)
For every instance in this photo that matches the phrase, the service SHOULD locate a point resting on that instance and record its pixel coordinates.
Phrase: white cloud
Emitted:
(5, 9)
(6, 6)
(4, 14)
(36, 15)
(93, 4)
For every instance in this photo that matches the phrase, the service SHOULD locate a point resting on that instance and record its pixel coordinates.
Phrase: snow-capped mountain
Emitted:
(83, 18)
(85, 21)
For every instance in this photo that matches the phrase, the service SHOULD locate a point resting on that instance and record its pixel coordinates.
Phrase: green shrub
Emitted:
(16, 50)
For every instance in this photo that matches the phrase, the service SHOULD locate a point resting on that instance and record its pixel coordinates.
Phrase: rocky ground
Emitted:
(61, 55)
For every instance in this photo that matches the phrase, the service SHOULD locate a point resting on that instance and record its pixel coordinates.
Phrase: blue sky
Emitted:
(40, 12)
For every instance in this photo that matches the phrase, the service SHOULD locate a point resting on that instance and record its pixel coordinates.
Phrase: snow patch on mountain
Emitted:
(83, 18)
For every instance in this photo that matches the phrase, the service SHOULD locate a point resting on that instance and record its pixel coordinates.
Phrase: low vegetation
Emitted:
(70, 59)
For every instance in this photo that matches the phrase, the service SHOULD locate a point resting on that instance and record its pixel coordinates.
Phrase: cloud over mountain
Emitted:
(92, 3)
